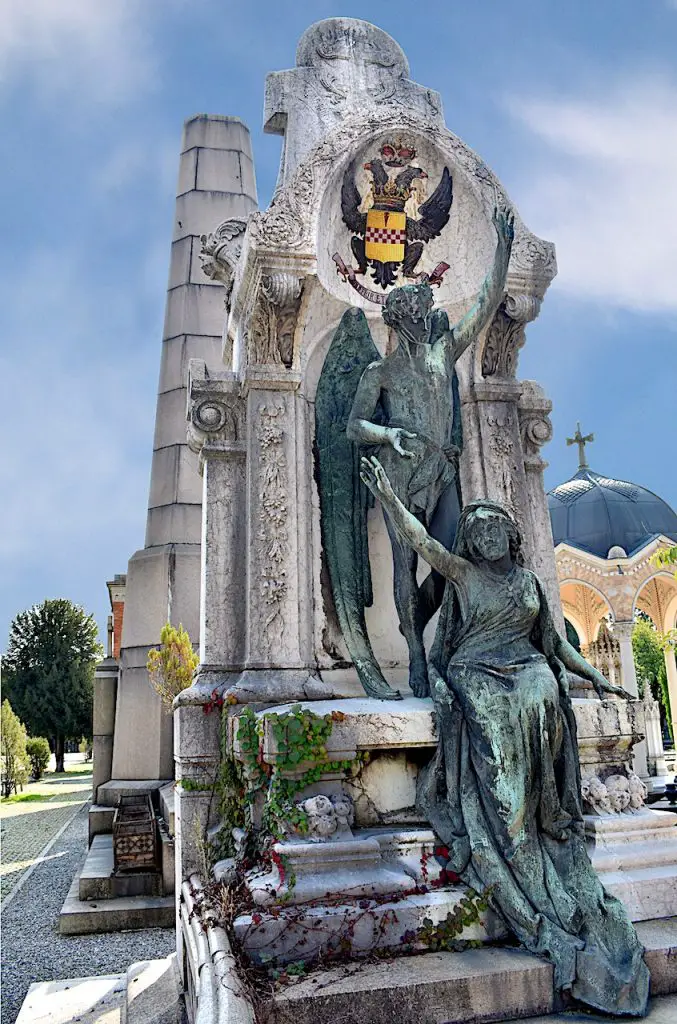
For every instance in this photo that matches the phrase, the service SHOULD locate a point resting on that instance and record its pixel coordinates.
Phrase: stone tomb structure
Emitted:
(269, 632)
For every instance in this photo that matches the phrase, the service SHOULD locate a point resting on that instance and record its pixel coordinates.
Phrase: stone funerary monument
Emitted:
(377, 307)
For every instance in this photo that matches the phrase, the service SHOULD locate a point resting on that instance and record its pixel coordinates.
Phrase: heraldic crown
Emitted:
(392, 194)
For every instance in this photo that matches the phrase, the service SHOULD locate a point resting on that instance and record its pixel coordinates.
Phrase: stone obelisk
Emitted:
(216, 182)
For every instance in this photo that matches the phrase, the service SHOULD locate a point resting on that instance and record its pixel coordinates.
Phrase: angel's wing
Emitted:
(350, 204)
(433, 215)
(344, 499)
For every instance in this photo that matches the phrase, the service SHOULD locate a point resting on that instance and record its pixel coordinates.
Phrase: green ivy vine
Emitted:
(301, 739)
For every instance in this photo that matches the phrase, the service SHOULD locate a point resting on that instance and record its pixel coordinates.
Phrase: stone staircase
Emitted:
(101, 900)
(149, 992)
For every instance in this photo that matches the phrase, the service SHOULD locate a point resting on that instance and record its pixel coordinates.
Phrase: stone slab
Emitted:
(100, 820)
(98, 880)
(450, 988)
(434, 988)
(98, 1000)
(659, 939)
(366, 725)
(109, 795)
(306, 933)
(84, 917)
(154, 992)
(661, 1011)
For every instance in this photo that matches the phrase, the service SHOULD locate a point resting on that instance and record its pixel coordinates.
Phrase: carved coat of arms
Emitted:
(387, 241)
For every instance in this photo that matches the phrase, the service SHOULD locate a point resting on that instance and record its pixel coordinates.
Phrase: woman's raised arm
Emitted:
(408, 526)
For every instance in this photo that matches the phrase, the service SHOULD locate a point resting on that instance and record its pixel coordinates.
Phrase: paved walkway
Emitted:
(29, 820)
(33, 949)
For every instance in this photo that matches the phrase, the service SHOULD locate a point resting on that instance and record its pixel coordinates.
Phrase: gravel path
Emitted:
(33, 950)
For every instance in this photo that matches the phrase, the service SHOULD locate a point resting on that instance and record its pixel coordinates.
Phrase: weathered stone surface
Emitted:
(88, 1000)
(436, 988)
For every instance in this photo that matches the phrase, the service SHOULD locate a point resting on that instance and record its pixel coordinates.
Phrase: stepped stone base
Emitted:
(85, 917)
(148, 993)
(98, 880)
(451, 988)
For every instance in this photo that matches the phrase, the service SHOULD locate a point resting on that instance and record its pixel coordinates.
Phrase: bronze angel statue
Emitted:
(385, 236)
(405, 408)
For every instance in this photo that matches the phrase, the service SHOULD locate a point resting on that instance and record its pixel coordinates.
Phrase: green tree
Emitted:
(49, 665)
(171, 666)
(38, 752)
(650, 664)
(13, 750)
(666, 558)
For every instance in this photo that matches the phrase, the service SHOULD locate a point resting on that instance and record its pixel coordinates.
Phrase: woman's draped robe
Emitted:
(503, 791)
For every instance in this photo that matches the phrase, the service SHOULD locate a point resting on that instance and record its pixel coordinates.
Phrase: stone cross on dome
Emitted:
(581, 441)
(344, 68)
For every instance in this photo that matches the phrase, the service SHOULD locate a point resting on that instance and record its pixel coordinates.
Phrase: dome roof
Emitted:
(596, 513)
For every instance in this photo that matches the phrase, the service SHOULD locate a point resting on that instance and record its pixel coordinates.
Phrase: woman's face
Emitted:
(489, 536)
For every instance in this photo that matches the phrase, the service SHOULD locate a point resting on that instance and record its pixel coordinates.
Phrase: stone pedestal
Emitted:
(103, 723)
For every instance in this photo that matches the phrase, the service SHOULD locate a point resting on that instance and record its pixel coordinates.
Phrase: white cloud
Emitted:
(605, 191)
(97, 49)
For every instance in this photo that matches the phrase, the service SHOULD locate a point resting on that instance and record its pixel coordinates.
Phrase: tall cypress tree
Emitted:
(49, 671)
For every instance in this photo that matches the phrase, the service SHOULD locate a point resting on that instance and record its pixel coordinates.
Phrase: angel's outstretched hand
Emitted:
(374, 476)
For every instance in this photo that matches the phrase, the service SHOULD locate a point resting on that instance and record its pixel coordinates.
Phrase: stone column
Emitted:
(623, 632)
(273, 639)
(103, 725)
(655, 751)
(217, 433)
(536, 430)
(216, 182)
(671, 671)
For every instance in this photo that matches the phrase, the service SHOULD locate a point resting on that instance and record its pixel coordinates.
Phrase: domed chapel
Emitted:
(605, 532)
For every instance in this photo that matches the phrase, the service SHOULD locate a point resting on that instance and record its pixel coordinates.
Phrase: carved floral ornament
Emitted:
(290, 221)
(273, 532)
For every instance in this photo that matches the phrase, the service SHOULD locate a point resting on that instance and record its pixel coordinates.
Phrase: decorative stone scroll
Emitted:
(220, 252)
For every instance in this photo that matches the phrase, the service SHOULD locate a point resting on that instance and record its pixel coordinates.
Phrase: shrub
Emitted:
(38, 752)
(171, 666)
(13, 749)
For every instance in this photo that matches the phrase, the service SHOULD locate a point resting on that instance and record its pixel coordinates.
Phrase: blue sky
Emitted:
(573, 105)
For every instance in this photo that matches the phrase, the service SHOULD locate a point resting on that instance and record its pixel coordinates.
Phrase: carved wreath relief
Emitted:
(618, 793)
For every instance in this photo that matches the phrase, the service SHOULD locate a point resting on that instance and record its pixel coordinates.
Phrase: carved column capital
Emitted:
(271, 326)
(505, 336)
(216, 414)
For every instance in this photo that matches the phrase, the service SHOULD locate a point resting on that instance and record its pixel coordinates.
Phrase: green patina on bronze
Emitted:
(503, 790)
(405, 406)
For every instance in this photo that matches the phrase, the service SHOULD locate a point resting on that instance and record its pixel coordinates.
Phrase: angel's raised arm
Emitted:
(491, 293)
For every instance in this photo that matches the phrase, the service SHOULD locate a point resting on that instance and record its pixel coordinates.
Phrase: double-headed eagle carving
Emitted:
(385, 237)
